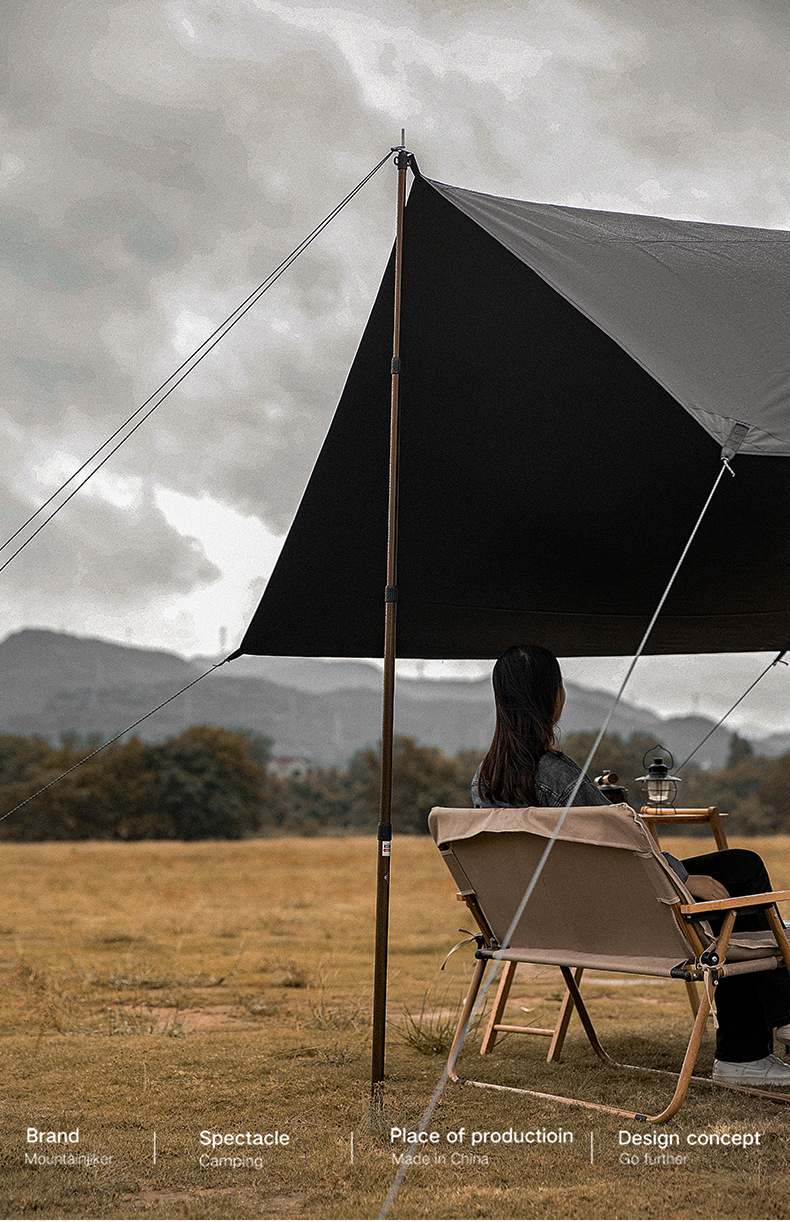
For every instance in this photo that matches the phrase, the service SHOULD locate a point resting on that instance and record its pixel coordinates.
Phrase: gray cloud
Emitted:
(701, 90)
(157, 162)
(109, 561)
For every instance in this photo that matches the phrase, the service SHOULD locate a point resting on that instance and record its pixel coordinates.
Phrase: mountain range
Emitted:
(56, 683)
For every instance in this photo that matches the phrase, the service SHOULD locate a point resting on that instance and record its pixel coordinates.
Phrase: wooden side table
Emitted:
(705, 814)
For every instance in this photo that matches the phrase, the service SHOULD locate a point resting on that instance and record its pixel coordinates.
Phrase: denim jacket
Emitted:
(555, 777)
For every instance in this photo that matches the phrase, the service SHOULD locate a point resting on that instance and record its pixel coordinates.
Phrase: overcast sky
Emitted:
(159, 159)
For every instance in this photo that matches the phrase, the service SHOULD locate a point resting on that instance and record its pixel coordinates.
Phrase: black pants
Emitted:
(748, 1007)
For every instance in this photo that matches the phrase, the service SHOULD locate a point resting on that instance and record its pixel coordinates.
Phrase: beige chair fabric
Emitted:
(604, 896)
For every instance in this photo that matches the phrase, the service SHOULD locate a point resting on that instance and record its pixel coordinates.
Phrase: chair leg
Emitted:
(780, 933)
(495, 1025)
(693, 995)
(560, 1031)
(680, 1088)
(719, 834)
(572, 982)
(503, 992)
(466, 1014)
(686, 1071)
(689, 1060)
(682, 1082)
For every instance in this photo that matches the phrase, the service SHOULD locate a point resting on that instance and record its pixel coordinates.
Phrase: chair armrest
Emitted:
(763, 900)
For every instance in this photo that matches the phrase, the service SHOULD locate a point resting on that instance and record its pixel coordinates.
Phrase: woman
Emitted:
(523, 767)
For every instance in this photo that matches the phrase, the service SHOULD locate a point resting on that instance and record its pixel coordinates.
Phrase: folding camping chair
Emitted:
(654, 819)
(605, 899)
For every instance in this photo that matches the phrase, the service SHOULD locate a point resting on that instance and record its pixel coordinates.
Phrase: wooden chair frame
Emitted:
(653, 819)
(707, 962)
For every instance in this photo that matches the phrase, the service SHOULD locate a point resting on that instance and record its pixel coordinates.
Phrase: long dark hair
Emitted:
(527, 682)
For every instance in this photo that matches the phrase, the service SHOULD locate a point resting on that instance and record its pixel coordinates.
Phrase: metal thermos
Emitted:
(607, 783)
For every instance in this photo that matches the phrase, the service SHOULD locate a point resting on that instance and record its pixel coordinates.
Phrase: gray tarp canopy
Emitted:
(568, 380)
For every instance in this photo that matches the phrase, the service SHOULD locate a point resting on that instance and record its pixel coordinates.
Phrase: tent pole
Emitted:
(384, 834)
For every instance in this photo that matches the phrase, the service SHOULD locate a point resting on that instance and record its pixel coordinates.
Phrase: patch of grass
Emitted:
(147, 991)
(118, 939)
(143, 1020)
(290, 976)
(331, 1015)
(146, 976)
(261, 1007)
(432, 1029)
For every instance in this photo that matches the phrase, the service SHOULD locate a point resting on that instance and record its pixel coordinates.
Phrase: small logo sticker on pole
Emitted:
(386, 845)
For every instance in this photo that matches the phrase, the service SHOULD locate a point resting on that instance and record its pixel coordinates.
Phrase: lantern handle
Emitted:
(663, 751)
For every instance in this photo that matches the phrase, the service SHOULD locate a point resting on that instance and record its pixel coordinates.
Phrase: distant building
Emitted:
(289, 765)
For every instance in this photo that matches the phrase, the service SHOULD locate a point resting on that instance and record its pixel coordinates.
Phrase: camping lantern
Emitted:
(658, 787)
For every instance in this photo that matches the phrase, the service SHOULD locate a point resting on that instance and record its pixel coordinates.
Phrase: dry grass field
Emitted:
(154, 992)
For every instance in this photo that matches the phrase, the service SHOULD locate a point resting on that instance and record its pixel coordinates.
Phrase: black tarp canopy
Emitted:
(568, 380)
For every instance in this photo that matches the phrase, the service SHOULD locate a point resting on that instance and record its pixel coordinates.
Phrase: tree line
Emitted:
(212, 782)
(207, 782)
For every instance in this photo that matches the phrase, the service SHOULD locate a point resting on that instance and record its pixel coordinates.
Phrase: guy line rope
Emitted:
(171, 383)
(779, 658)
(158, 397)
(112, 740)
(437, 1094)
